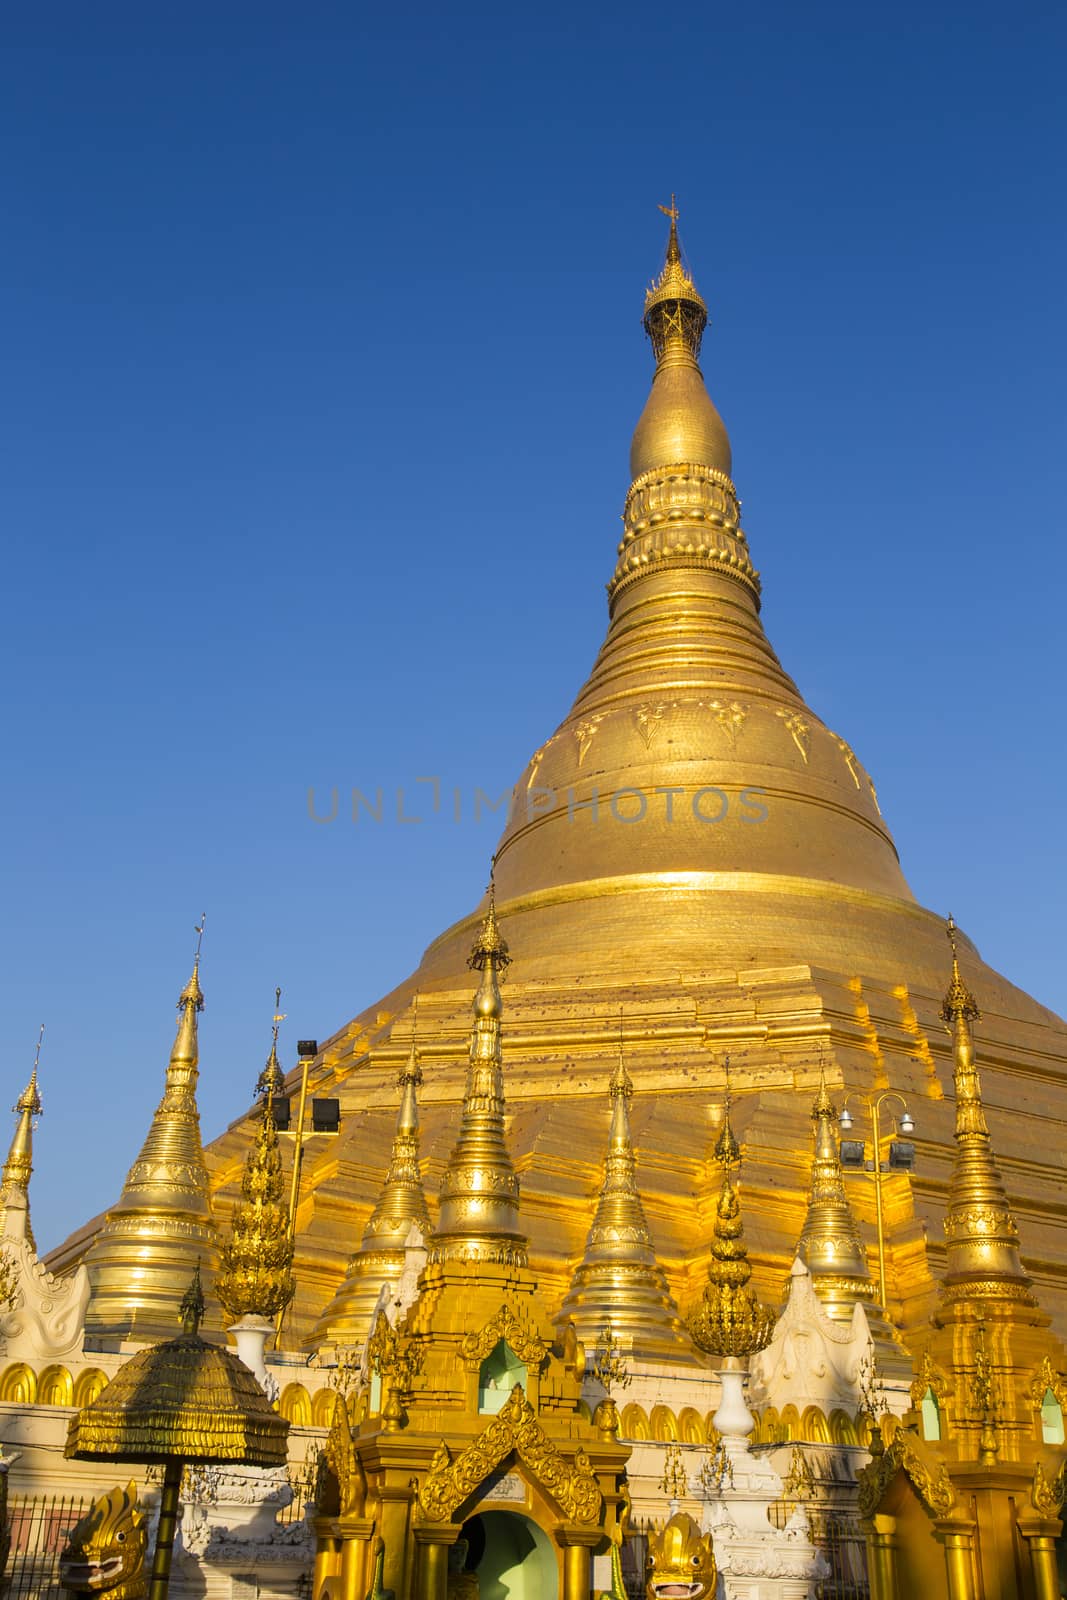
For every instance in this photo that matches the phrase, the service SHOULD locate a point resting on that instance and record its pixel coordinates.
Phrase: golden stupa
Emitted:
(693, 846)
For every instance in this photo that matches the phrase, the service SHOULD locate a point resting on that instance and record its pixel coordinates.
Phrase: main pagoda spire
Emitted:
(479, 1219)
(161, 1228)
(642, 791)
(619, 1281)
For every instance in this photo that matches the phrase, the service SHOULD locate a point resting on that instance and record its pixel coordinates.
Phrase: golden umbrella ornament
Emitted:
(180, 1402)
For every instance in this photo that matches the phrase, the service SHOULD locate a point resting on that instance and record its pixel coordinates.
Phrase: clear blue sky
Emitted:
(322, 353)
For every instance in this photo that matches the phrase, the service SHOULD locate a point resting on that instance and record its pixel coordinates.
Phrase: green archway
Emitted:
(512, 1557)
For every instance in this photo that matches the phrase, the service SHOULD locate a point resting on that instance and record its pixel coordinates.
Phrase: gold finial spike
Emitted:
(479, 1217)
(162, 1224)
(982, 1238)
(256, 1262)
(18, 1168)
(727, 1150)
(270, 1084)
(959, 1001)
(192, 1306)
(674, 254)
(675, 313)
(401, 1206)
(619, 1280)
(490, 948)
(830, 1243)
(408, 1081)
(192, 993)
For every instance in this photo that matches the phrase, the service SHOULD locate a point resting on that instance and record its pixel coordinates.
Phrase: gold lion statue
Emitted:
(681, 1562)
(105, 1551)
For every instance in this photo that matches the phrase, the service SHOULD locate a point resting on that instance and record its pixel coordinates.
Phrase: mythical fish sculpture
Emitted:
(105, 1552)
(681, 1562)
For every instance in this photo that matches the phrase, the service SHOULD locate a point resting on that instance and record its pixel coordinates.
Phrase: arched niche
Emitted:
(322, 1407)
(842, 1428)
(19, 1384)
(508, 1556)
(497, 1376)
(634, 1423)
(691, 1426)
(55, 1387)
(768, 1429)
(664, 1426)
(930, 1415)
(294, 1403)
(87, 1386)
(789, 1425)
(814, 1428)
(1052, 1430)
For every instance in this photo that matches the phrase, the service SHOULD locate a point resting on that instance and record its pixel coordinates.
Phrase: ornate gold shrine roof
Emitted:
(694, 844)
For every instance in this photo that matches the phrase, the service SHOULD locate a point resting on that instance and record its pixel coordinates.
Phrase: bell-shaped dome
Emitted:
(679, 424)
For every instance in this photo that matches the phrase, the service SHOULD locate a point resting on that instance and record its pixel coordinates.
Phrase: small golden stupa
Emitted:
(469, 1446)
(381, 1257)
(18, 1168)
(161, 1228)
(619, 1282)
(966, 1500)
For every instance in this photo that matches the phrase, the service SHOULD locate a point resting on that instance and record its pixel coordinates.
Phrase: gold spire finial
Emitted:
(674, 254)
(959, 1001)
(256, 1263)
(30, 1100)
(619, 1282)
(982, 1237)
(727, 1150)
(675, 313)
(270, 1084)
(192, 994)
(18, 1168)
(729, 1321)
(162, 1222)
(621, 1084)
(490, 948)
(830, 1243)
(479, 1218)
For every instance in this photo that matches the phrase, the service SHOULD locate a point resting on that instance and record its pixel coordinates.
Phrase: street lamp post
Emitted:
(854, 1158)
(325, 1118)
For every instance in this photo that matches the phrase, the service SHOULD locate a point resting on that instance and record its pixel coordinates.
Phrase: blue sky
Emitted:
(321, 360)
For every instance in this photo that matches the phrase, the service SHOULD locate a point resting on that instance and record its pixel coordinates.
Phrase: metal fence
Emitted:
(39, 1526)
(835, 1532)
